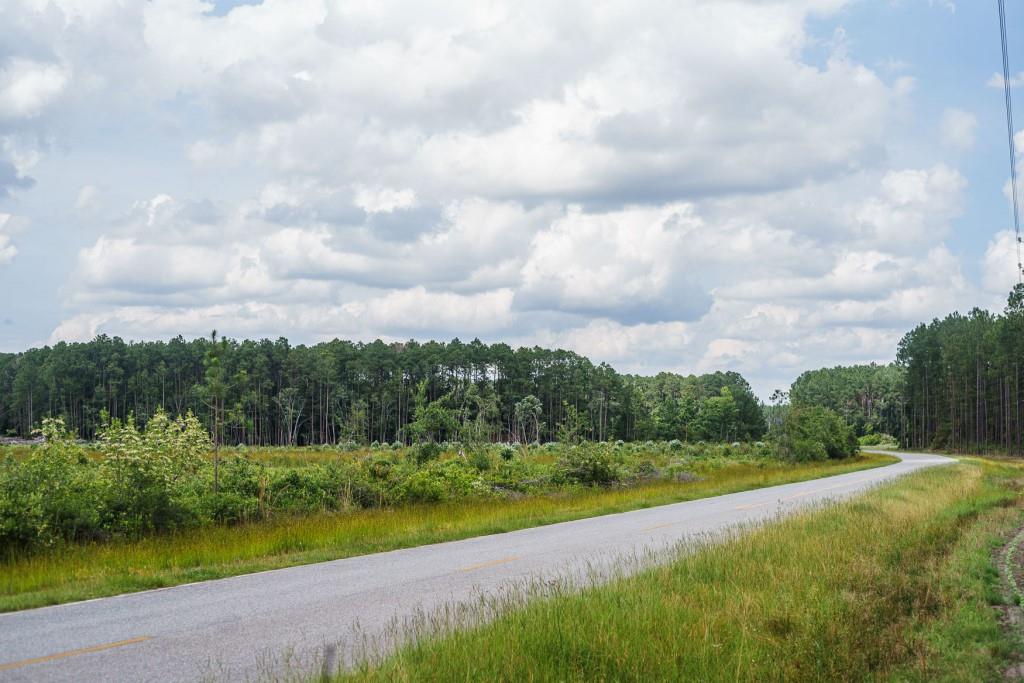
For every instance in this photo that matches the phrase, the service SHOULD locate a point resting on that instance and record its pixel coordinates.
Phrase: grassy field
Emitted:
(86, 571)
(895, 585)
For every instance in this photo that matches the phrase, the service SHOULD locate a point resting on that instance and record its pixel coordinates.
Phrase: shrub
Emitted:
(50, 498)
(427, 452)
(480, 460)
(675, 445)
(438, 482)
(590, 467)
(816, 433)
(144, 473)
(380, 469)
(507, 453)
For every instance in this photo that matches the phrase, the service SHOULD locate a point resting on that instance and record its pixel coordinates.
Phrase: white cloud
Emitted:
(999, 265)
(27, 86)
(383, 199)
(687, 185)
(629, 265)
(958, 128)
(914, 206)
(9, 224)
(996, 80)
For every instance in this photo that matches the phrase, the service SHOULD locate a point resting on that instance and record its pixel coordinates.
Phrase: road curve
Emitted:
(232, 629)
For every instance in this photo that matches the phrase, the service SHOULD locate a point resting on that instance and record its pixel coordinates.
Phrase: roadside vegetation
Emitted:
(895, 585)
(143, 508)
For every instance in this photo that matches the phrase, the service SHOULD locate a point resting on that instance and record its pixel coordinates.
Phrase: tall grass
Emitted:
(80, 572)
(891, 586)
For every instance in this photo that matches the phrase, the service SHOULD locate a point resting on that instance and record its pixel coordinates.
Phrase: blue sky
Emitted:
(759, 186)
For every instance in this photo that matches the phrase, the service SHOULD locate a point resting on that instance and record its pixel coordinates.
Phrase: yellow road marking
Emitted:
(658, 526)
(492, 563)
(752, 505)
(72, 653)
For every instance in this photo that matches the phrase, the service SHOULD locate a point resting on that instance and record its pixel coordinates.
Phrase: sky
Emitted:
(680, 185)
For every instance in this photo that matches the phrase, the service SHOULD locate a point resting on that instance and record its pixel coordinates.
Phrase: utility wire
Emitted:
(1009, 135)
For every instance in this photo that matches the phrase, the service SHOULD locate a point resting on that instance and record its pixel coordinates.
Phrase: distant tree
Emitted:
(718, 416)
(572, 427)
(527, 414)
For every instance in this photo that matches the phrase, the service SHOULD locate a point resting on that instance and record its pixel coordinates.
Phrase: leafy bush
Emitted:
(816, 433)
(588, 466)
(52, 497)
(878, 439)
(480, 460)
(438, 482)
(160, 478)
(427, 452)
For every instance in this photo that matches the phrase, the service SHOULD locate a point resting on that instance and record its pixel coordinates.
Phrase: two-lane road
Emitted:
(227, 628)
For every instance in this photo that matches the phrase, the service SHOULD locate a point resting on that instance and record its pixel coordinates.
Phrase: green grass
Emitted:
(895, 585)
(81, 572)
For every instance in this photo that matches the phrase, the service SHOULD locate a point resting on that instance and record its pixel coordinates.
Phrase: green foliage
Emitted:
(432, 419)
(261, 392)
(139, 481)
(868, 397)
(816, 433)
(572, 428)
(439, 482)
(480, 460)
(426, 452)
(589, 466)
(877, 439)
(51, 497)
(519, 498)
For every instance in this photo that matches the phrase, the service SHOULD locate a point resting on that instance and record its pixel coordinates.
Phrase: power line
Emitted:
(1009, 135)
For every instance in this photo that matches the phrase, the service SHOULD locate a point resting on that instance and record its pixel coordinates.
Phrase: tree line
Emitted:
(264, 392)
(956, 384)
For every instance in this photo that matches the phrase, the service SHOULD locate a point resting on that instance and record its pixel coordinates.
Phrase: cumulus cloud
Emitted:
(999, 265)
(957, 128)
(528, 99)
(27, 86)
(688, 186)
(628, 265)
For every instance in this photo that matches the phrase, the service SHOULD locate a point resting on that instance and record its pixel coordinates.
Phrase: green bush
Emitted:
(480, 460)
(160, 478)
(438, 482)
(427, 452)
(588, 466)
(52, 497)
(816, 433)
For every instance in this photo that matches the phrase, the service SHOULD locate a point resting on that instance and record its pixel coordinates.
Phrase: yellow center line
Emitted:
(752, 506)
(73, 653)
(492, 563)
(658, 526)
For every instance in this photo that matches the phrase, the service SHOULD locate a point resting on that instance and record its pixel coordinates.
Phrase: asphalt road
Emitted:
(243, 628)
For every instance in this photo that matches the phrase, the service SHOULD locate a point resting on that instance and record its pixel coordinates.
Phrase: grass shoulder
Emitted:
(76, 572)
(897, 584)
